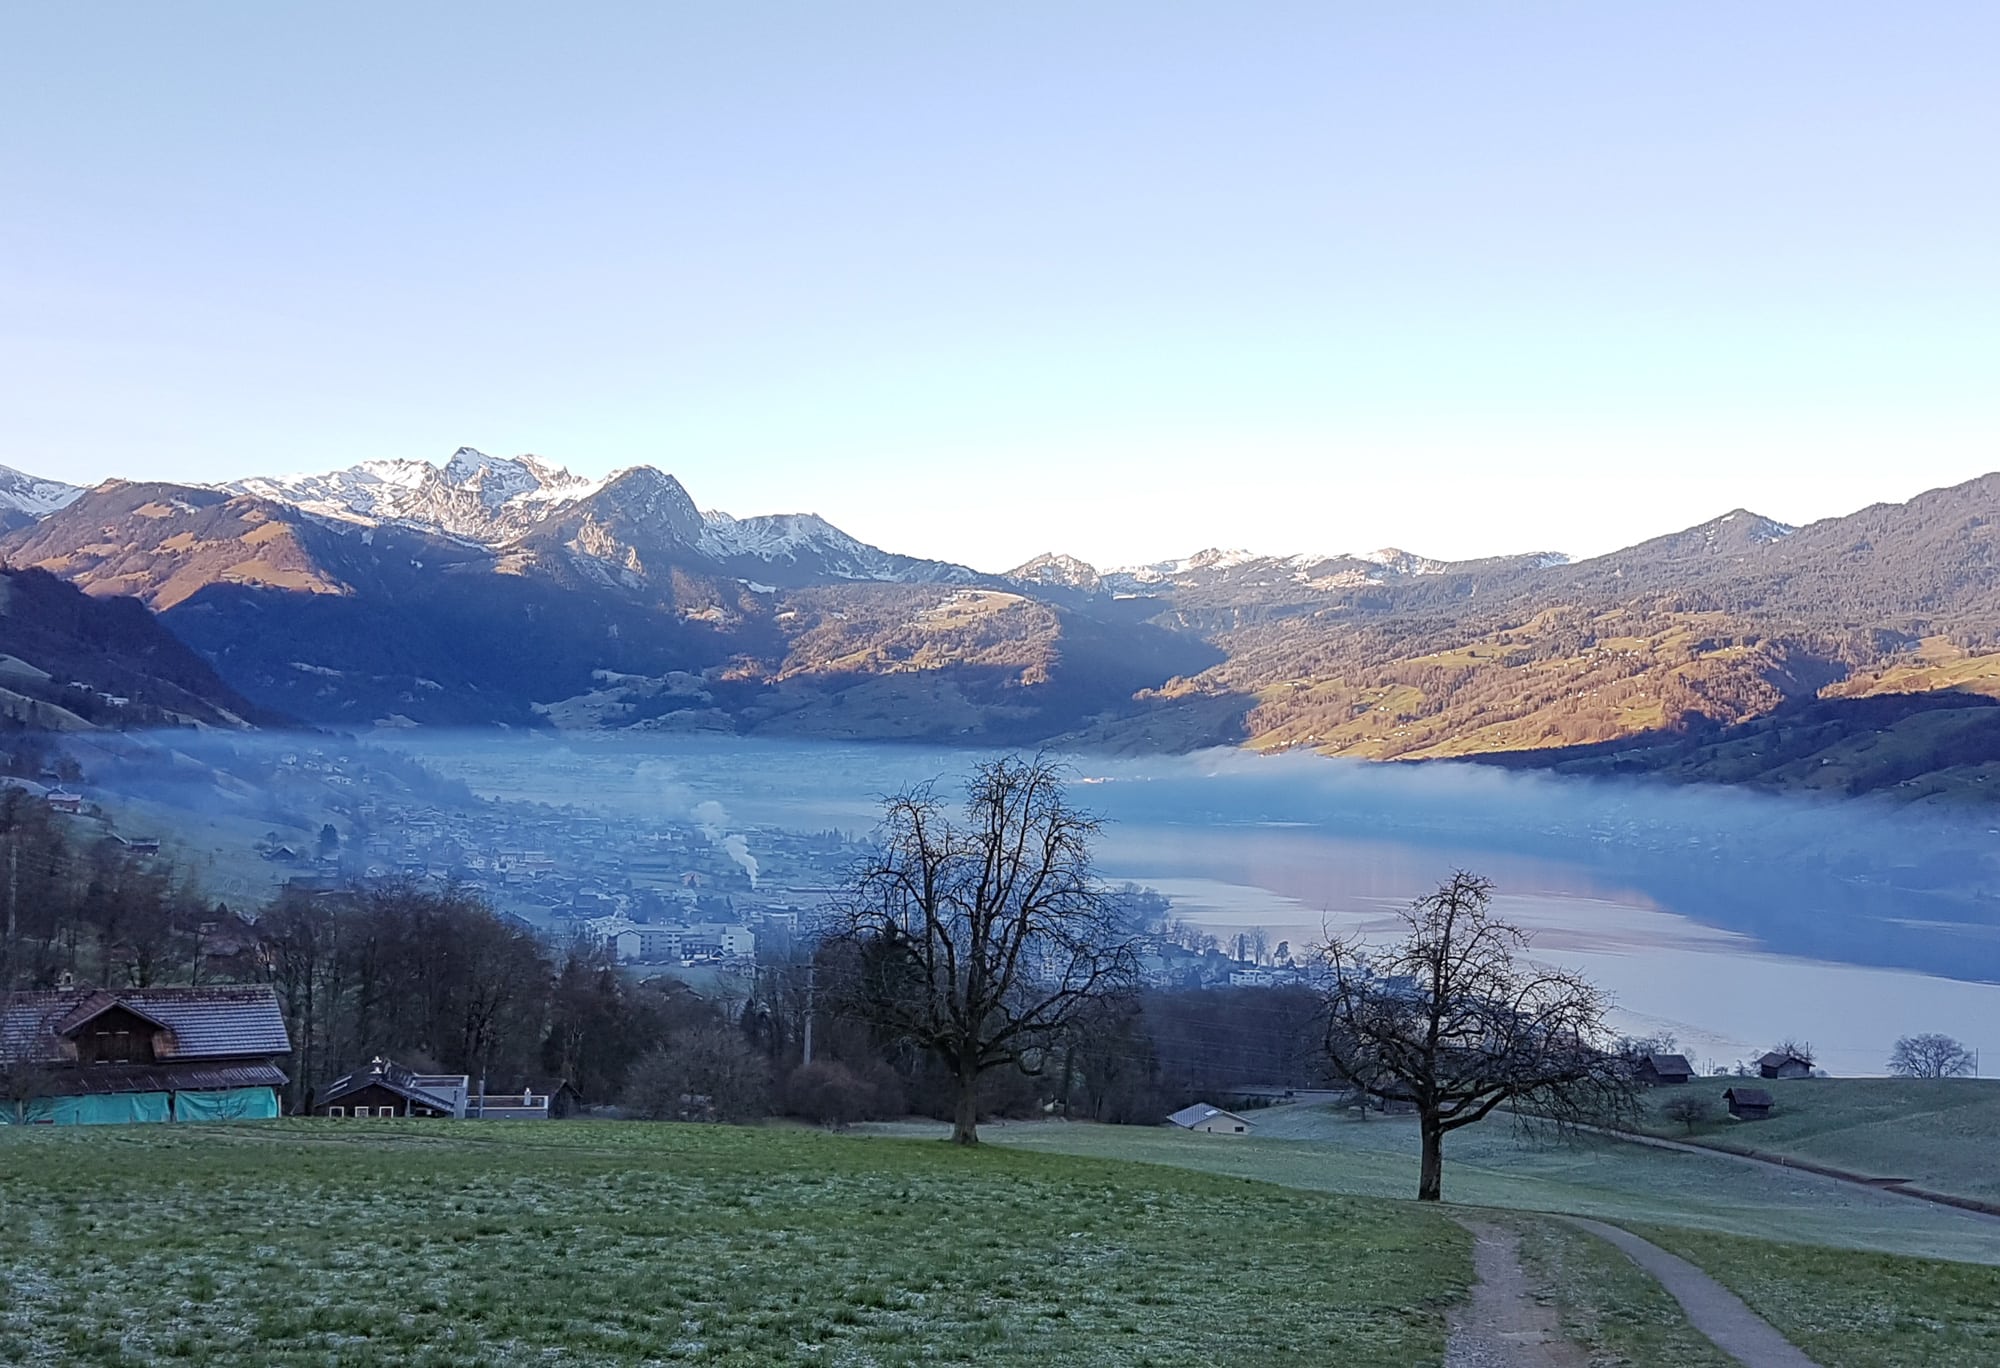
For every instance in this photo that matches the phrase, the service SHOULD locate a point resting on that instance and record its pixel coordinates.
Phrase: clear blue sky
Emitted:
(976, 282)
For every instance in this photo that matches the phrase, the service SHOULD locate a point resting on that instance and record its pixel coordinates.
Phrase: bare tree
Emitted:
(1801, 1050)
(980, 939)
(1450, 1021)
(1690, 1109)
(1930, 1055)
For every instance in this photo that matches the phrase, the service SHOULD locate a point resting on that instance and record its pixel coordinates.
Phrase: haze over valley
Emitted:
(1851, 656)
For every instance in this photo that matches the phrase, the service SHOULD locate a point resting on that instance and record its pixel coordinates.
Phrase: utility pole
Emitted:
(807, 1050)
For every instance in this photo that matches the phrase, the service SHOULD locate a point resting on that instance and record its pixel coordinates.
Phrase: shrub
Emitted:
(707, 1073)
(827, 1093)
(1690, 1109)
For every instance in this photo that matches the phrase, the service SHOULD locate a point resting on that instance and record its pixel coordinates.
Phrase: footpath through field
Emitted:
(1502, 1324)
(1711, 1308)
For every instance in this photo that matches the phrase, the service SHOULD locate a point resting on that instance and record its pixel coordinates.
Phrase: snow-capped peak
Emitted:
(34, 497)
(496, 501)
(479, 497)
(498, 479)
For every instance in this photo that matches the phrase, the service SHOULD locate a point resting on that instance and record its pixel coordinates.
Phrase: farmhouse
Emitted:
(1747, 1104)
(385, 1089)
(1209, 1120)
(1778, 1064)
(88, 1056)
(1663, 1070)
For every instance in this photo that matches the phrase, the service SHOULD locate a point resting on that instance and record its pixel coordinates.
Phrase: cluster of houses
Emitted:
(674, 942)
(1744, 1101)
(96, 1056)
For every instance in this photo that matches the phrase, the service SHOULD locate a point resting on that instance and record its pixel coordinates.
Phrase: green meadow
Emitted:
(441, 1243)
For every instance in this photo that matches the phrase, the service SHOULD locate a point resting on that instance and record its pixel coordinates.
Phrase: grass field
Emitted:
(1938, 1134)
(1492, 1165)
(1854, 1310)
(1608, 1304)
(1858, 1279)
(333, 1243)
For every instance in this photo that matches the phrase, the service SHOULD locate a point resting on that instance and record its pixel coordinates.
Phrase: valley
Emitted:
(508, 592)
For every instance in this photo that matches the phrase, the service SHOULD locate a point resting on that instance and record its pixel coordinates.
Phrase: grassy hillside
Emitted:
(1855, 1310)
(1937, 1134)
(1494, 1166)
(412, 1243)
(1858, 1279)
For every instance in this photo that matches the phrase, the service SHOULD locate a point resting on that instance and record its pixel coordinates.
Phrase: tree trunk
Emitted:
(965, 1118)
(1430, 1181)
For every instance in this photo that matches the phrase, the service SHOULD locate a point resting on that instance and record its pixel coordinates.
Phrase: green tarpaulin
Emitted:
(233, 1104)
(109, 1109)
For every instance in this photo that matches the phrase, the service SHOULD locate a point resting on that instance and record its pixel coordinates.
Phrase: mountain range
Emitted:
(508, 591)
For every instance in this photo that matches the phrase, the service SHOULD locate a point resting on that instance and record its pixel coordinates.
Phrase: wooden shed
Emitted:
(1780, 1065)
(1747, 1104)
(1663, 1070)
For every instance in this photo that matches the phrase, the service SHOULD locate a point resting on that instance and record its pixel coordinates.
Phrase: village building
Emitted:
(1663, 1070)
(1747, 1104)
(1204, 1119)
(93, 1056)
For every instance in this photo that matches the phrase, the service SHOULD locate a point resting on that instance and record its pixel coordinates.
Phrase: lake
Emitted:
(1728, 919)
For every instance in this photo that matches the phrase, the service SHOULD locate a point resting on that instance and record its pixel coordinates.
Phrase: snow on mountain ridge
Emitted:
(494, 501)
(32, 496)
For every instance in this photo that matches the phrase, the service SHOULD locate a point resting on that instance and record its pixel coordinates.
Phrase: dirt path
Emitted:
(1711, 1308)
(1503, 1326)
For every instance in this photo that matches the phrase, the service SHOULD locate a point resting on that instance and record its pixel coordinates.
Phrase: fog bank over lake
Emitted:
(1730, 918)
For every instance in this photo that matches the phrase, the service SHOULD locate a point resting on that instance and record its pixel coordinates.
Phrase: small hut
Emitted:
(1747, 1104)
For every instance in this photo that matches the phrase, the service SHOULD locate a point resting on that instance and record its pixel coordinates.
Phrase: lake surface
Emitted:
(1732, 921)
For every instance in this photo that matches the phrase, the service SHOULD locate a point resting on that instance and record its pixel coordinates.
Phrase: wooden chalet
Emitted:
(1663, 1070)
(92, 1056)
(386, 1089)
(1747, 1104)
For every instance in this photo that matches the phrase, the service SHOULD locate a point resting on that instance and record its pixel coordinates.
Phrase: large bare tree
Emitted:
(1451, 1020)
(1931, 1055)
(979, 937)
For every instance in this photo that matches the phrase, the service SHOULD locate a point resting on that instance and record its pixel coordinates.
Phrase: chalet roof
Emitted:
(228, 1021)
(1748, 1097)
(94, 1006)
(1192, 1116)
(138, 1078)
(1670, 1064)
(1778, 1057)
(386, 1073)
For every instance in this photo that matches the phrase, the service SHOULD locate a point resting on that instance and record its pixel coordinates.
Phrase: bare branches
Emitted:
(980, 938)
(1450, 1022)
(1931, 1055)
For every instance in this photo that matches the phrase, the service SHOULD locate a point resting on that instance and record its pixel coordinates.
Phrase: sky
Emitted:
(976, 282)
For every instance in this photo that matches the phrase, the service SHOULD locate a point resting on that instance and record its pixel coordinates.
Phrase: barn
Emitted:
(96, 1056)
